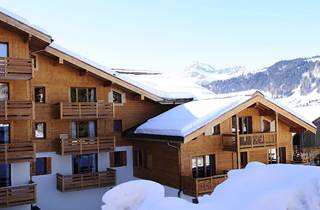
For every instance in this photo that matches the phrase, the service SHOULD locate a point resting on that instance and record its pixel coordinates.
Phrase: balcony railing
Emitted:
(200, 186)
(17, 195)
(253, 140)
(86, 145)
(16, 110)
(257, 140)
(15, 68)
(17, 152)
(85, 181)
(86, 110)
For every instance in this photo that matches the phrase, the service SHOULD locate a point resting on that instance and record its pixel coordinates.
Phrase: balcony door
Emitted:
(83, 95)
(84, 129)
(85, 163)
(4, 133)
(245, 125)
(5, 175)
(4, 49)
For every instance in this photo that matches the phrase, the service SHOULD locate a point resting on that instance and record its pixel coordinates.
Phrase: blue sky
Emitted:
(169, 35)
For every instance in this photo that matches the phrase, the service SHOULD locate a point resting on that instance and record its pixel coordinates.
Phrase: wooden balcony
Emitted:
(86, 145)
(249, 141)
(17, 110)
(86, 181)
(17, 152)
(86, 110)
(15, 68)
(200, 186)
(17, 195)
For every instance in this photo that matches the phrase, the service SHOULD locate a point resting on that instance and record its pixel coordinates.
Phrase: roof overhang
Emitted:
(256, 98)
(37, 38)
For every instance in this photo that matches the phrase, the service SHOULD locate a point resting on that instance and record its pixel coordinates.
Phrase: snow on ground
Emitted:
(257, 187)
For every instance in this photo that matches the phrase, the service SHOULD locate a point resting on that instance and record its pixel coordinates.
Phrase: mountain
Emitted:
(296, 81)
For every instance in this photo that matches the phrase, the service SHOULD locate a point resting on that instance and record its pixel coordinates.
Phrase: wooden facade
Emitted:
(174, 162)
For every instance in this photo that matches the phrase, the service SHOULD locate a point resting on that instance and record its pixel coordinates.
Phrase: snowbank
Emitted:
(257, 187)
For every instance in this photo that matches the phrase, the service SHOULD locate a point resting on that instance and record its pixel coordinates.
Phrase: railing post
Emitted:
(79, 109)
(80, 141)
(97, 110)
(6, 110)
(61, 110)
(62, 146)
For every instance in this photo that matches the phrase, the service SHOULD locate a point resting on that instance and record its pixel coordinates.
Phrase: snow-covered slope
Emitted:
(284, 187)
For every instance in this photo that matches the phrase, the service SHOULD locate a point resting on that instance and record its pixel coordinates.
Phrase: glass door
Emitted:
(4, 133)
(5, 175)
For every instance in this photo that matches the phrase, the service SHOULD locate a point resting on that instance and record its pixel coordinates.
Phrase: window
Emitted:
(245, 125)
(4, 91)
(4, 133)
(83, 95)
(118, 159)
(4, 49)
(85, 163)
(216, 130)
(83, 129)
(117, 97)
(272, 156)
(40, 130)
(142, 159)
(234, 124)
(34, 61)
(203, 166)
(243, 159)
(42, 166)
(5, 175)
(40, 94)
(117, 125)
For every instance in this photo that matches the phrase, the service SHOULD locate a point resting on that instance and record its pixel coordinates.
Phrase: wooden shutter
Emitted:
(48, 165)
(33, 168)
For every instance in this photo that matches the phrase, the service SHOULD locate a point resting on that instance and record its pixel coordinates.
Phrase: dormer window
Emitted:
(4, 49)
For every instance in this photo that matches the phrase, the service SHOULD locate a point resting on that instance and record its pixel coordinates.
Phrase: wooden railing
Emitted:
(86, 145)
(198, 186)
(85, 181)
(86, 110)
(229, 142)
(17, 152)
(253, 140)
(257, 140)
(17, 195)
(15, 68)
(17, 110)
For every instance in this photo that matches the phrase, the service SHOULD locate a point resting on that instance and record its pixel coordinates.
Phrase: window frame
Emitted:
(213, 165)
(8, 48)
(44, 94)
(122, 159)
(216, 130)
(47, 166)
(8, 85)
(123, 97)
(44, 130)
(87, 94)
(77, 167)
(77, 124)
(142, 159)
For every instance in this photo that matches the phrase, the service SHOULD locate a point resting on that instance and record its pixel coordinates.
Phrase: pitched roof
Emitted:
(190, 117)
(157, 87)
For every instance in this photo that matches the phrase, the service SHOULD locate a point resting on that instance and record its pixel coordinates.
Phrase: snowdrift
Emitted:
(257, 187)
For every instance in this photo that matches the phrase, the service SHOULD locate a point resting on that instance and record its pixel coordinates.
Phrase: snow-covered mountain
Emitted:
(296, 81)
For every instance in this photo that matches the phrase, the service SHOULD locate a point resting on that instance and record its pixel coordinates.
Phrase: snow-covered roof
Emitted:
(189, 117)
(166, 86)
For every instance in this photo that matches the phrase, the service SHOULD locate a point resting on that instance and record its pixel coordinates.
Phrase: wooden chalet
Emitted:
(192, 150)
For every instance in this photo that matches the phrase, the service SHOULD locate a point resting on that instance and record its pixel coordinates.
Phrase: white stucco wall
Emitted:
(20, 173)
